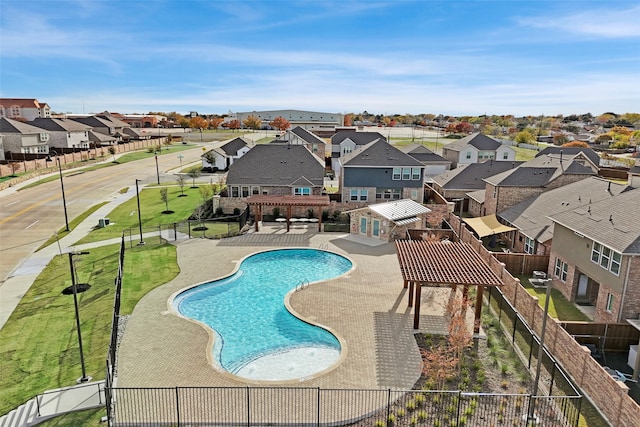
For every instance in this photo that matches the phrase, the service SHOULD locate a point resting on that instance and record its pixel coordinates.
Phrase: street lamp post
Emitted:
(64, 200)
(84, 378)
(157, 169)
(141, 243)
(532, 406)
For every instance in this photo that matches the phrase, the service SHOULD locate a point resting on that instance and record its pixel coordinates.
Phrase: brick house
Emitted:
(531, 217)
(20, 137)
(595, 255)
(275, 169)
(64, 133)
(346, 141)
(533, 178)
(389, 220)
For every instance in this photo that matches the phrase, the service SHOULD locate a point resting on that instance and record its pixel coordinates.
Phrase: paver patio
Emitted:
(367, 308)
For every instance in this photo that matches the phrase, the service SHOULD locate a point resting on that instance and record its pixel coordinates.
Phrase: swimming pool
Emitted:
(256, 337)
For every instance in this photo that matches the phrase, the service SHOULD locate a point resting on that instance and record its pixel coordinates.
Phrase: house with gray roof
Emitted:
(456, 183)
(301, 136)
(434, 163)
(571, 152)
(477, 148)
(378, 171)
(222, 156)
(389, 220)
(65, 133)
(106, 125)
(595, 255)
(276, 169)
(23, 138)
(531, 216)
(346, 141)
(534, 177)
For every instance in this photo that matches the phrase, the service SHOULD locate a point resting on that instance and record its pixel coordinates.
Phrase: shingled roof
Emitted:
(471, 177)
(570, 152)
(379, 153)
(531, 216)
(612, 222)
(480, 141)
(16, 126)
(231, 148)
(59, 125)
(423, 154)
(276, 165)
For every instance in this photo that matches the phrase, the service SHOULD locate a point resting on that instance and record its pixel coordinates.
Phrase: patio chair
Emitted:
(619, 376)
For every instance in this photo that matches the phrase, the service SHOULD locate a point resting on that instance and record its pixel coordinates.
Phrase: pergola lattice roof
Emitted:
(288, 200)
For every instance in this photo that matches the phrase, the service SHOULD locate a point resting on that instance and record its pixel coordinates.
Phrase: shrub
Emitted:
(276, 212)
(236, 211)
(378, 423)
(422, 416)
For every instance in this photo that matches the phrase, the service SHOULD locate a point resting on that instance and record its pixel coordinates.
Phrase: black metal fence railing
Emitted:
(247, 406)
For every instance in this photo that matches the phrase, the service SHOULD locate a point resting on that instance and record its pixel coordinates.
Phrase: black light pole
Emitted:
(84, 377)
(532, 406)
(139, 216)
(64, 200)
(157, 169)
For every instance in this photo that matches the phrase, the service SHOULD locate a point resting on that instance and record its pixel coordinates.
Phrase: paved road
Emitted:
(29, 217)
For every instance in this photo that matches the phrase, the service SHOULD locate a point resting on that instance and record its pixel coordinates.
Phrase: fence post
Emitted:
(248, 408)
(175, 232)
(459, 405)
(386, 422)
(513, 334)
(318, 424)
(553, 377)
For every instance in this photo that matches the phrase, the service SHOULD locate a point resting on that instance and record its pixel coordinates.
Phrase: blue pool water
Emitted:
(256, 336)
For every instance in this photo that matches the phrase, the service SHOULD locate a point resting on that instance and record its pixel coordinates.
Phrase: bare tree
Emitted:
(164, 195)
(194, 174)
(180, 179)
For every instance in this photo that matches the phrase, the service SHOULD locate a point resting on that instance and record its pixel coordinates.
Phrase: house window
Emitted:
(15, 111)
(616, 258)
(406, 173)
(255, 190)
(414, 194)
(415, 174)
(235, 191)
(561, 269)
(396, 174)
(468, 155)
(44, 137)
(610, 300)
(302, 191)
(505, 156)
(495, 192)
(606, 258)
(529, 245)
(245, 191)
(346, 150)
(356, 195)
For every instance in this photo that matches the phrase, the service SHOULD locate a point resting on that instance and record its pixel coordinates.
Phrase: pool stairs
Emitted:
(301, 286)
(55, 402)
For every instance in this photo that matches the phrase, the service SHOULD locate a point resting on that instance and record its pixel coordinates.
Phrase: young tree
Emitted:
(576, 144)
(112, 151)
(459, 337)
(252, 122)
(234, 124)
(216, 122)
(164, 195)
(438, 363)
(560, 139)
(280, 123)
(193, 174)
(197, 123)
(180, 179)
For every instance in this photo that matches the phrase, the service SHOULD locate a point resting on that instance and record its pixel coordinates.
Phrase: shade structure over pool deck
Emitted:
(437, 264)
(260, 200)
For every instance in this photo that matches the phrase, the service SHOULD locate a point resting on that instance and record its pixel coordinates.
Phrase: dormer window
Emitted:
(44, 137)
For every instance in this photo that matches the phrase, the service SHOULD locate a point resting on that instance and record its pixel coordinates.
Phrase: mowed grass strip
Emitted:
(125, 216)
(39, 343)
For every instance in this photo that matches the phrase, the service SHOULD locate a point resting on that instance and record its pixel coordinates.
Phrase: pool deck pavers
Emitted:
(366, 308)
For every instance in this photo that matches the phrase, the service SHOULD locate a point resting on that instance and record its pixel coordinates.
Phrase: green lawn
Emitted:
(125, 216)
(39, 345)
(90, 417)
(72, 224)
(559, 307)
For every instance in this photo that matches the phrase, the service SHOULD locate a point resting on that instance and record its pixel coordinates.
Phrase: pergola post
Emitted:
(288, 217)
(319, 219)
(478, 312)
(410, 294)
(416, 311)
(258, 216)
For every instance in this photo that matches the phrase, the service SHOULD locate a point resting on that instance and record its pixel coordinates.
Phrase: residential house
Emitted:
(23, 138)
(434, 163)
(456, 183)
(377, 172)
(64, 133)
(305, 119)
(571, 152)
(345, 141)
(477, 148)
(534, 177)
(23, 109)
(595, 255)
(531, 217)
(389, 220)
(137, 134)
(299, 135)
(106, 125)
(223, 156)
(276, 169)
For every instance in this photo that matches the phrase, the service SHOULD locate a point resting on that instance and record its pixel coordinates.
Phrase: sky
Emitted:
(457, 58)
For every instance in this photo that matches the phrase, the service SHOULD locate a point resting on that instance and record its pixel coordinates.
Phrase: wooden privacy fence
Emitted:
(519, 263)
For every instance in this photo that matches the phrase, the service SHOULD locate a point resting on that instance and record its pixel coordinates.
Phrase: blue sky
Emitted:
(449, 57)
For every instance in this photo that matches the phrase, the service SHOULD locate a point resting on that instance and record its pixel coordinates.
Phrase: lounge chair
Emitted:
(619, 376)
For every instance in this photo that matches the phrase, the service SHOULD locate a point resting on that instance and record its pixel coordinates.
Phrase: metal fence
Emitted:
(249, 406)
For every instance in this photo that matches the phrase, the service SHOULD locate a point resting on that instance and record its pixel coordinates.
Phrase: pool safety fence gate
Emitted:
(249, 406)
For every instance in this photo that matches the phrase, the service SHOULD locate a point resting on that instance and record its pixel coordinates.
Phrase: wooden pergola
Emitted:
(440, 264)
(288, 201)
